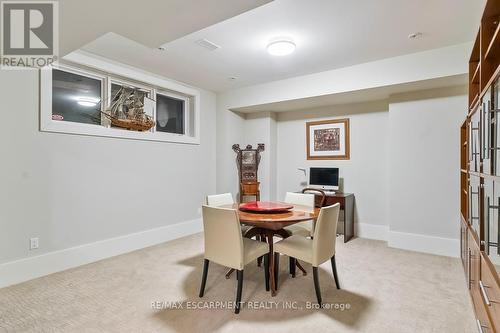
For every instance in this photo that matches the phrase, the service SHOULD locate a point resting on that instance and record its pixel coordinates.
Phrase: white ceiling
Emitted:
(150, 22)
(358, 96)
(329, 34)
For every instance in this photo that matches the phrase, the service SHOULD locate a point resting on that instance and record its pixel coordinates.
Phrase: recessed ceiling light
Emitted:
(415, 35)
(281, 47)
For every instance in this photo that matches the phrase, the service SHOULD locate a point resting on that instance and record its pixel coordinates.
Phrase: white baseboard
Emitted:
(29, 268)
(414, 242)
(371, 231)
(423, 243)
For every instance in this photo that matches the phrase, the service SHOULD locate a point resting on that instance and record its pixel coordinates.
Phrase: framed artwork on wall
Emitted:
(328, 139)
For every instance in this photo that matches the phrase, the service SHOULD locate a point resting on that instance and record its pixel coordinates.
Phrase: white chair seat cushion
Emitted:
(303, 229)
(297, 247)
(253, 249)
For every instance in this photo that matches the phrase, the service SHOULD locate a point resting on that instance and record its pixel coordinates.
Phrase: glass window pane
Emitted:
(76, 98)
(169, 114)
(115, 90)
(122, 111)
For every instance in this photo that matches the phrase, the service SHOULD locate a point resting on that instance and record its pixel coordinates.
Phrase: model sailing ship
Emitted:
(127, 111)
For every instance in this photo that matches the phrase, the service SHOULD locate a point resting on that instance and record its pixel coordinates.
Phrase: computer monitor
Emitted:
(324, 178)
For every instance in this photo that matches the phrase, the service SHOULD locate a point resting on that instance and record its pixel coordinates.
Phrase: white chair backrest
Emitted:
(220, 199)
(325, 234)
(304, 200)
(223, 240)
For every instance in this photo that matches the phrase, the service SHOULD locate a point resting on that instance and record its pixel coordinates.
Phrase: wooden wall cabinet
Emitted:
(474, 140)
(487, 119)
(463, 242)
(480, 174)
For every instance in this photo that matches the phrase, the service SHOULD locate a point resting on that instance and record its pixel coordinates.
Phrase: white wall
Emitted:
(70, 190)
(403, 168)
(261, 128)
(424, 132)
(229, 131)
(364, 174)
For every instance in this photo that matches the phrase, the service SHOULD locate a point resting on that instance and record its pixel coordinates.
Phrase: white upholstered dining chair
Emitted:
(224, 199)
(302, 201)
(317, 250)
(220, 199)
(217, 200)
(225, 246)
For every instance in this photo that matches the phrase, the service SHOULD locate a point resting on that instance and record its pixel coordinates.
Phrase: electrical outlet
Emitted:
(34, 243)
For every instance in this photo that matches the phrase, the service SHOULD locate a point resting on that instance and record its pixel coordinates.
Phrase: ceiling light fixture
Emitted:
(87, 101)
(281, 47)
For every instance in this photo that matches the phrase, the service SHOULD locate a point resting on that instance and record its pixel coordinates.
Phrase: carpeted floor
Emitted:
(383, 290)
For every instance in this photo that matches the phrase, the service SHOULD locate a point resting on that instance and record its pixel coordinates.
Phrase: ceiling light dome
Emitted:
(281, 47)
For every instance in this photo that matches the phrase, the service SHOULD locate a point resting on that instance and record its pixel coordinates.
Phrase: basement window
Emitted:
(79, 100)
(171, 113)
(76, 97)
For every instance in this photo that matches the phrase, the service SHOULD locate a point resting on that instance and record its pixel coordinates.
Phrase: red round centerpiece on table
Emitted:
(265, 207)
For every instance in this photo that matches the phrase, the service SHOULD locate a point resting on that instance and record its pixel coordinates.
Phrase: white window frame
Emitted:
(110, 71)
(46, 122)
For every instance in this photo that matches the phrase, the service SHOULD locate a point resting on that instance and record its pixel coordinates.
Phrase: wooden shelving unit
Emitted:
(480, 172)
(492, 48)
(485, 55)
(474, 73)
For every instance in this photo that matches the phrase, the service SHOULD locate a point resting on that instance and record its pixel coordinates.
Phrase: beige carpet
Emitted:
(388, 290)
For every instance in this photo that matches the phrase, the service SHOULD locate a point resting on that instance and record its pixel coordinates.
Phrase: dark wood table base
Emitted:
(269, 234)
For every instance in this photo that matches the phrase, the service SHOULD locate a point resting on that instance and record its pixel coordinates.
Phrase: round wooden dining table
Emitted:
(272, 224)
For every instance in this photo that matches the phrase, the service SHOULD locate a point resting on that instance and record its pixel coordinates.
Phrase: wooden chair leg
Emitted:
(276, 268)
(316, 284)
(292, 267)
(260, 239)
(204, 277)
(297, 263)
(266, 270)
(238, 291)
(334, 269)
(229, 272)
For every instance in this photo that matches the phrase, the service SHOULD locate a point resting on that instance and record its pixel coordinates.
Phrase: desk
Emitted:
(346, 201)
